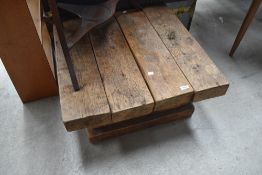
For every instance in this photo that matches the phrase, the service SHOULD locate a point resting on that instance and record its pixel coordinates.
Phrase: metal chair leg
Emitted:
(59, 27)
(248, 19)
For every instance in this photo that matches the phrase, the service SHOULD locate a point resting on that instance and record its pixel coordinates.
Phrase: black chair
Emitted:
(91, 12)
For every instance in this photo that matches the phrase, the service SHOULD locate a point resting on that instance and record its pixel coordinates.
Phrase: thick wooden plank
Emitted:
(22, 53)
(202, 73)
(100, 134)
(167, 83)
(88, 106)
(35, 11)
(125, 87)
(47, 45)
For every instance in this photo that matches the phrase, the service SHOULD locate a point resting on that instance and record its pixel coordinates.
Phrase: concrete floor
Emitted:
(222, 137)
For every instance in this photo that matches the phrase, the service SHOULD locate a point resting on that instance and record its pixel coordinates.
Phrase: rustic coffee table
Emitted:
(140, 69)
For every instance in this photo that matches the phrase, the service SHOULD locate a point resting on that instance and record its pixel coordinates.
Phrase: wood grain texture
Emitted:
(100, 134)
(88, 106)
(205, 78)
(162, 74)
(22, 53)
(125, 87)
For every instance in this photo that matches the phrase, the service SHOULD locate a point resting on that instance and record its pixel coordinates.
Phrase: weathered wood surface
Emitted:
(126, 90)
(22, 53)
(148, 67)
(166, 82)
(99, 134)
(205, 78)
(88, 106)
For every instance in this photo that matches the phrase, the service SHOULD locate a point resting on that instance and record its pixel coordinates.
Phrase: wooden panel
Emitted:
(125, 87)
(201, 72)
(118, 129)
(88, 106)
(47, 45)
(35, 11)
(167, 83)
(22, 53)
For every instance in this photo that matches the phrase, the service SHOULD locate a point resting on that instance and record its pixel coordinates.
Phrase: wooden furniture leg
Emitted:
(248, 19)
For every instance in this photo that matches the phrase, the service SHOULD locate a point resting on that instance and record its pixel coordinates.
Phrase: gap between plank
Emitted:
(100, 77)
(169, 51)
(137, 63)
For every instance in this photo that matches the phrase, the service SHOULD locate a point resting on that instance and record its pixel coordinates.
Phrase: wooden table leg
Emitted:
(248, 19)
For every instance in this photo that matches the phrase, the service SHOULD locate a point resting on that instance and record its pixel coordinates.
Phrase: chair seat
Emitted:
(91, 15)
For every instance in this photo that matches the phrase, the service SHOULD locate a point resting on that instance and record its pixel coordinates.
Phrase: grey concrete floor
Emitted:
(222, 137)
